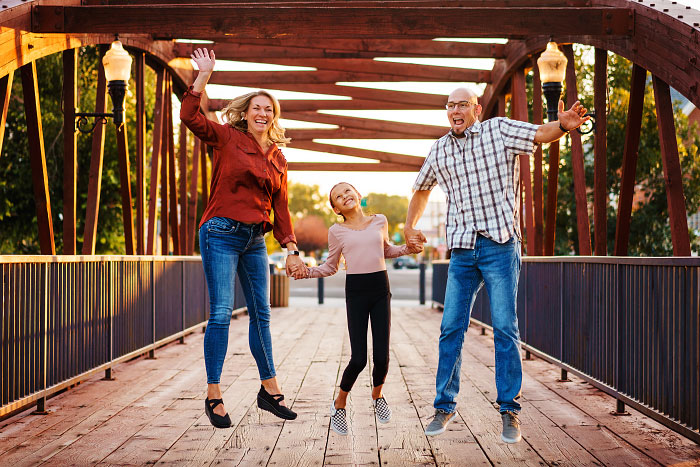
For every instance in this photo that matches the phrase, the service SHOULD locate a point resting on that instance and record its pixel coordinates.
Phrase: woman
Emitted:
(364, 242)
(249, 178)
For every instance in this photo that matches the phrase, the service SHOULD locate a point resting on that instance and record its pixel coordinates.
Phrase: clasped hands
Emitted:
(414, 239)
(296, 267)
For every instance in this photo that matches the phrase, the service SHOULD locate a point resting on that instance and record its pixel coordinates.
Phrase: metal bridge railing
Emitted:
(65, 318)
(629, 326)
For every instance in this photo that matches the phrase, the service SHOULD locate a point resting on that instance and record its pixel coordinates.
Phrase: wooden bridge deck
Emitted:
(153, 411)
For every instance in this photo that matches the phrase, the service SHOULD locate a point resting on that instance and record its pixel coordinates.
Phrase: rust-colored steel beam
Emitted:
(350, 167)
(388, 157)
(172, 175)
(96, 159)
(537, 187)
(192, 206)
(5, 93)
(125, 189)
(184, 242)
(552, 191)
(600, 192)
(414, 129)
(337, 21)
(672, 169)
(304, 47)
(164, 168)
(140, 80)
(35, 134)
(519, 112)
(584, 229)
(158, 122)
(633, 130)
(70, 150)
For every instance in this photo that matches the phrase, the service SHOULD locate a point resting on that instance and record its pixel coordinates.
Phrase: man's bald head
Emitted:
(462, 109)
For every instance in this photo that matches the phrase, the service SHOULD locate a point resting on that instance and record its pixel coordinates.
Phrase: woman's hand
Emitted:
(204, 59)
(294, 265)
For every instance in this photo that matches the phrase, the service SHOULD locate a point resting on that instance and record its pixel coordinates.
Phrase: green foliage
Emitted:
(394, 207)
(650, 233)
(17, 208)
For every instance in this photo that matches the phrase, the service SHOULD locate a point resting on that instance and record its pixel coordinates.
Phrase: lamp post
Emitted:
(552, 65)
(117, 64)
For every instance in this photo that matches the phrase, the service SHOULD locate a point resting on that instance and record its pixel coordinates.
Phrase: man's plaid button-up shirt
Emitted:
(480, 174)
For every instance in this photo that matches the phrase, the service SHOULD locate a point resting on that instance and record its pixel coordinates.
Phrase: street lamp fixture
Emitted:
(117, 64)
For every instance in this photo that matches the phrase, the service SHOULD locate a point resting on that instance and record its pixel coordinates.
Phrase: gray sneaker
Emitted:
(439, 423)
(511, 427)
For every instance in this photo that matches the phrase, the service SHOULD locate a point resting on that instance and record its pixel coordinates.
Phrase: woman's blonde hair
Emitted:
(233, 115)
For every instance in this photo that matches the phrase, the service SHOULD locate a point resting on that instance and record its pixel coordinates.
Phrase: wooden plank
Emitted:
(125, 188)
(158, 123)
(184, 204)
(436, 101)
(321, 104)
(552, 190)
(35, 135)
(410, 162)
(303, 135)
(519, 112)
(140, 81)
(70, 150)
(418, 130)
(5, 94)
(192, 208)
(584, 229)
(672, 169)
(629, 159)
(172, 175)
(537, 181)
(386, 21)
(600, 192)
(96, 159)
(304, 47)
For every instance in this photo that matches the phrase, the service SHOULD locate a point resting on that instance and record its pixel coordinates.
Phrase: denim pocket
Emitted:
(222, 225)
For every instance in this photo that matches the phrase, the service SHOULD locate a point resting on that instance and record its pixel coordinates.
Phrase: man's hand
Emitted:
(293, 265)
(572, 118)
(414, 238)
(412, 249)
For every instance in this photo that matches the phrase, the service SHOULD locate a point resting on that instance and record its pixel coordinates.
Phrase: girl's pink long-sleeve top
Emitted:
(364, 250)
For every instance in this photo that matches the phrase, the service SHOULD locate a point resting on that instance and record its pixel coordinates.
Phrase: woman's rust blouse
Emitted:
(246, 184)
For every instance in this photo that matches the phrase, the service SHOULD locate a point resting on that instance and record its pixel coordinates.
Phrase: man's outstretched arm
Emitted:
(567, 121)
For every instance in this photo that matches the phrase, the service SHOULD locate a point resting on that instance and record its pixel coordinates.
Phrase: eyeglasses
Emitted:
(463, 105)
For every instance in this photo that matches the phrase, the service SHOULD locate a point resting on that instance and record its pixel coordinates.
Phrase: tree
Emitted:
(311, 233)
(394, 207)
(650, 233)
(17, 209)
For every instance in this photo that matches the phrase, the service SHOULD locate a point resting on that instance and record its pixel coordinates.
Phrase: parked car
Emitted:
(278, 259)
(408, 262)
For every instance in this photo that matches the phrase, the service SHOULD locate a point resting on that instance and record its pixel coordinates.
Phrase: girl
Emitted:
(364, 242)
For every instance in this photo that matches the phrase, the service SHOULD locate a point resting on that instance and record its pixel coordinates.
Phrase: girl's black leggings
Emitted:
(367, 298)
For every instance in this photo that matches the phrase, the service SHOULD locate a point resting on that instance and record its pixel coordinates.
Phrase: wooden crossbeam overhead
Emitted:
(429, 101)
(308, 105)
(373, 20)
(347, 133)
(247, 78)
(413, 129)
(474, 3)
(302, 47)
(350, 167)
(389, 157)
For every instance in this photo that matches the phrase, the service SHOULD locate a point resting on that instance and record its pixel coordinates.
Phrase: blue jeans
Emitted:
(498, 266)
(229, 247)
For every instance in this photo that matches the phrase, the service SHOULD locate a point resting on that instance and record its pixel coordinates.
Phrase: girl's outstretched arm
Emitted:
(330, 267)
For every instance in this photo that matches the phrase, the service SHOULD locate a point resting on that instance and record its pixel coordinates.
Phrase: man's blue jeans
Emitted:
(497, 266)
(229, 247)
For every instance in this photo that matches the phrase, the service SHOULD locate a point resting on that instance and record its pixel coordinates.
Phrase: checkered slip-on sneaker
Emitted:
(338, 422)
(382, 409)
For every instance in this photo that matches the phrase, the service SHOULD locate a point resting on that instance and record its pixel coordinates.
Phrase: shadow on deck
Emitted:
(153, 411)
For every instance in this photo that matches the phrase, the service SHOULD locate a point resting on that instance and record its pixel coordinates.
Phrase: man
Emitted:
(476, 165)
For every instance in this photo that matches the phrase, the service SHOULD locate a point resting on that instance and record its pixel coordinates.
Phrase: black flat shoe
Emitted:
(217, 420)
(271, 403)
